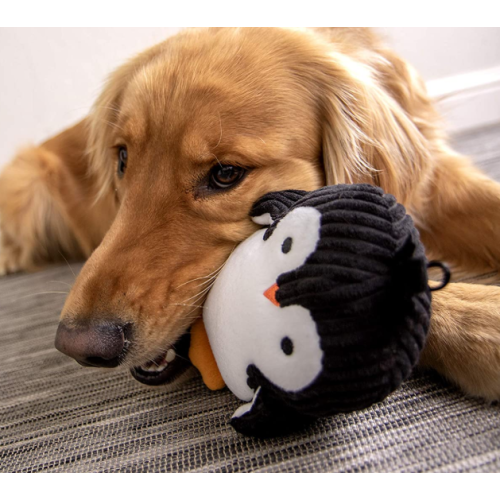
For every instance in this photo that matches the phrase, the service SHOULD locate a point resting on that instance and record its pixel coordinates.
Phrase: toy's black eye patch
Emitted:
(287, 345)
(287, 245)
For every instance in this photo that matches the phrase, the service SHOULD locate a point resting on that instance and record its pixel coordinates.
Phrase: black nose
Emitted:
(101, 343)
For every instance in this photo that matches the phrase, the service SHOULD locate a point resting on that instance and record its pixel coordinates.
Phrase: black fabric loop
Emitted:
(446, 274)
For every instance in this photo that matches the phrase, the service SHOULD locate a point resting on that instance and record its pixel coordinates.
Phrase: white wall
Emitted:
(50, 76)
(461, 67)
(442, 52)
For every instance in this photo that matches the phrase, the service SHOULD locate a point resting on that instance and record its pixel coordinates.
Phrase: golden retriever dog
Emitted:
(155, 185)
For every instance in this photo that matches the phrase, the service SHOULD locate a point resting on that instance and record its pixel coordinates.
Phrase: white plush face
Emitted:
(244, 324)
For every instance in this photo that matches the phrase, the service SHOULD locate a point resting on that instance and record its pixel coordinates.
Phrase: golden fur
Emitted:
(301, 108)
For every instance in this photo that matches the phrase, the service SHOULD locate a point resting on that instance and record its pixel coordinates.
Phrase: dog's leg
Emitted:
(32, 229)
(464, 338)
(461, 215)
(47, 204)
(462, 226)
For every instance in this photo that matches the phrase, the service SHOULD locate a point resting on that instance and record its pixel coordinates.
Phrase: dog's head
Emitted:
(189, 135)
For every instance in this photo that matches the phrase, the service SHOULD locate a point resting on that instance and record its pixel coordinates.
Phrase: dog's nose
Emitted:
(95, 344)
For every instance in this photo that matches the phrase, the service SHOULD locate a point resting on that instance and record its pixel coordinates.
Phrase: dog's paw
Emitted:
(8, 265)
(464, 338)
(473, 365)
(479, 374)
(9, 257)
(476, 369)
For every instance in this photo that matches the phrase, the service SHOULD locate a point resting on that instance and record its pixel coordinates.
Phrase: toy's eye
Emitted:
(287, 345)
(122, 161)
(287, 245)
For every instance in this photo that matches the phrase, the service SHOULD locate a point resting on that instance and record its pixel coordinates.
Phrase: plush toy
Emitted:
(324, 310)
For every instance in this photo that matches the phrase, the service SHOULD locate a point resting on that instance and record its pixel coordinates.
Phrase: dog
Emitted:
(155, 185)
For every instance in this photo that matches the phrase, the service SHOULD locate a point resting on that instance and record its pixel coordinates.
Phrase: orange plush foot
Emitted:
(202, 357)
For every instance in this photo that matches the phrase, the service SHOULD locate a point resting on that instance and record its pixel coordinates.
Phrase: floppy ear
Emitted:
(273, 205)
(367, 136)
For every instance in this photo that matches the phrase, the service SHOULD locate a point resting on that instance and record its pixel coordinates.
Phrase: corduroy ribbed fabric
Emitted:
(365, 286)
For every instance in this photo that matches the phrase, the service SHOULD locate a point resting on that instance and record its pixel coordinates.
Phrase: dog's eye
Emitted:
(122, 161)
(225, 176)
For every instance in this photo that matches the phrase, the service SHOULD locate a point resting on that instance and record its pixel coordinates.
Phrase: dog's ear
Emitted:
(273, 205)
(367, 135)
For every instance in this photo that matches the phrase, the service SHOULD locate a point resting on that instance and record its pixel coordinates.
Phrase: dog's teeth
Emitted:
(159, 364)
(155, 366)
(162, 364)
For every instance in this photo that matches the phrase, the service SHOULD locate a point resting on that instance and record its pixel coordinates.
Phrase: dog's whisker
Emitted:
(199, 296)
(217, 270)
(61, 282)
(220, 138)
(213, 275)
(202, 277)
(201, 292)
(190, 281)
(199, 299)
(42, 293)
(218, 161)
(209, 280)
(62, 255)
(185, 305)
(179, 356)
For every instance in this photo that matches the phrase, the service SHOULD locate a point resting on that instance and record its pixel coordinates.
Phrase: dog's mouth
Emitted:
(167, 367)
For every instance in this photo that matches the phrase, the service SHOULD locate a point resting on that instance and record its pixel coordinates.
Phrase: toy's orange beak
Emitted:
(270, 294)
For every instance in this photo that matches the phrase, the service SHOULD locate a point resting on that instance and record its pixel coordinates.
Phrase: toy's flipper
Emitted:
(264, 418)
(247, 407)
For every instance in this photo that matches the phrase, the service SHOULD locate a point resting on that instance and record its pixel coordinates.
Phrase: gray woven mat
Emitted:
(57, 416)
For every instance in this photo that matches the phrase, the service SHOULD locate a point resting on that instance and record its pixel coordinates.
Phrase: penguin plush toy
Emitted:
(323, 310)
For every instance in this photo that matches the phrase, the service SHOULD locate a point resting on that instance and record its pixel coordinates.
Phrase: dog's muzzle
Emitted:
(106, 343)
